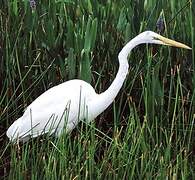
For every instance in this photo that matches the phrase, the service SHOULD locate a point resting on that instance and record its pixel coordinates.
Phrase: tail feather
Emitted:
(21, 130)
(14, 132)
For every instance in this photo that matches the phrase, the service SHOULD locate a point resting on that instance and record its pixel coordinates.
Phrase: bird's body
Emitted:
(61, 108)
(50, 110)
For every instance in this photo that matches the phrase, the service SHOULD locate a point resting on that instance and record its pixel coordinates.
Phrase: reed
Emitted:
(147, 133)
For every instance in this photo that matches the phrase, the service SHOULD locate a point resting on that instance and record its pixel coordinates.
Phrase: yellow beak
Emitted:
(170, 42)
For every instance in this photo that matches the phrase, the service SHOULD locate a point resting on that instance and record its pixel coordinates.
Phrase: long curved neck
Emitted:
(106, 98)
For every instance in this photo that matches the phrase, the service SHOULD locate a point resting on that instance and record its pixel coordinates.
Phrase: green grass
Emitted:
(147, 133)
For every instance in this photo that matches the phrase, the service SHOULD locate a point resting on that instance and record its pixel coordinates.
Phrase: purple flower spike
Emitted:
(160, 25)
(32, 4)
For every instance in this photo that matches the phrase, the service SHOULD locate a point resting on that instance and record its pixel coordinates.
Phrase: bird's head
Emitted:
(154, 38)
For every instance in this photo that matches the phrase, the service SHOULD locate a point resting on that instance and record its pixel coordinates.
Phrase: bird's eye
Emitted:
(155, 38)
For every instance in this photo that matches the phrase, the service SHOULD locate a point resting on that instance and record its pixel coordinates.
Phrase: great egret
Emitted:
(61, 107)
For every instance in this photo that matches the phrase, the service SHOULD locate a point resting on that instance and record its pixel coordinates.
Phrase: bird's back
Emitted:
(62, 105)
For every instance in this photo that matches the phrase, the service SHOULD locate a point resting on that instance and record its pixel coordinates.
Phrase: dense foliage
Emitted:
(149, 130)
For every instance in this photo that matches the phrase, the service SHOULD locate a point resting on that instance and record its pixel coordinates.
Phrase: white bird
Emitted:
(60, 108)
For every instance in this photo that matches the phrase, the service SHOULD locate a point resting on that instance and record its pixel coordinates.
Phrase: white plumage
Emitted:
(49, 111)
(61, 107)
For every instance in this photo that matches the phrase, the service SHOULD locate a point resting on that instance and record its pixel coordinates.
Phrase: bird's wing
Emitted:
(50, 112)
